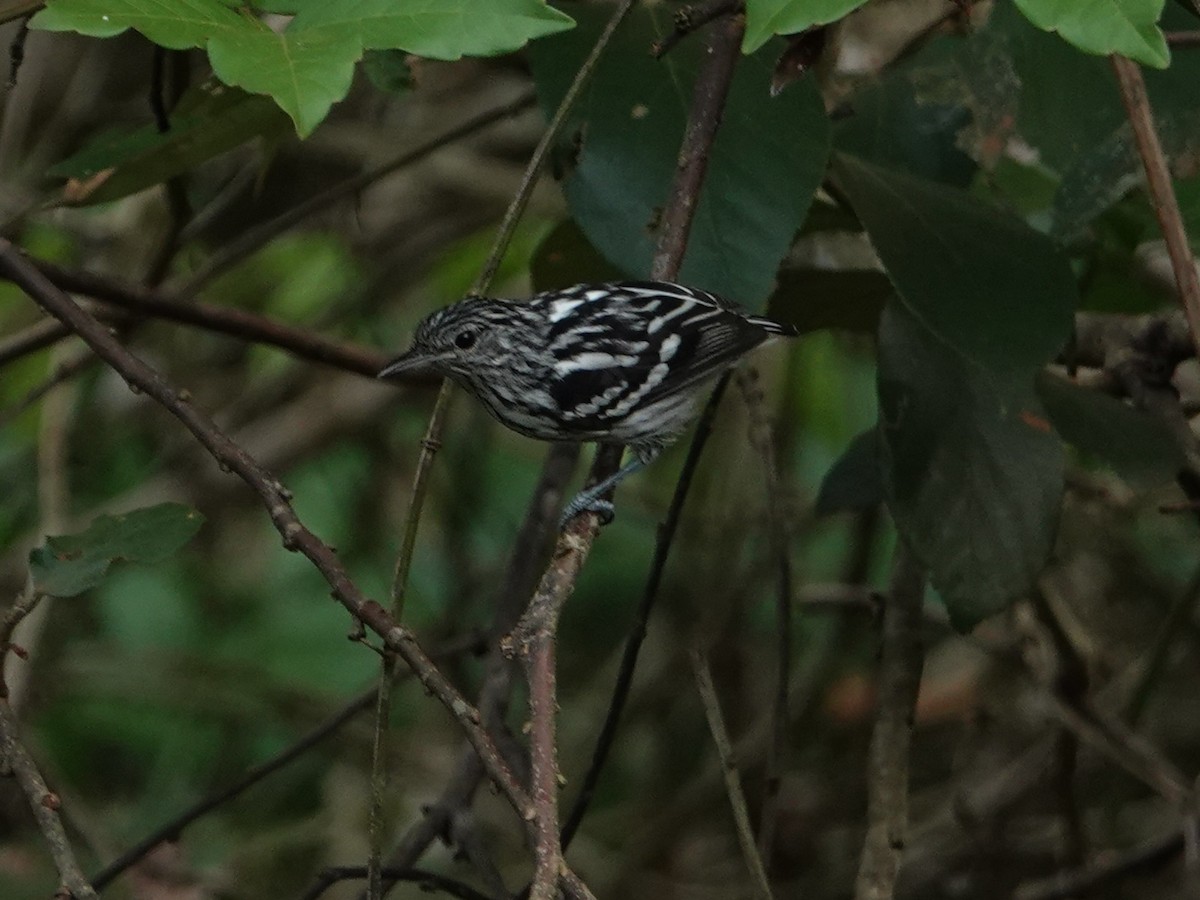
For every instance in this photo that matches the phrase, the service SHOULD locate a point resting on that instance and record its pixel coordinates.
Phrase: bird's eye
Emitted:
(464, 340)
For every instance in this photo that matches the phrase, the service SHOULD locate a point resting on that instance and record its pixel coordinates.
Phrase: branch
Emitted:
(729, 769)
(276, 499)
(170, 831)
(1162, 192)
(887, 760)
(641, 619)
(44, 804)
(247, 326)
(535, 636)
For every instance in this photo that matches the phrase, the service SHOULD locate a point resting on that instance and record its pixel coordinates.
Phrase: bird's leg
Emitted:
(591, 499)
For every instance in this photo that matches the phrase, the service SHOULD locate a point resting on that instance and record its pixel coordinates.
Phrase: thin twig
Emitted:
(45, 805)
(170, 831)
(691, 18)
(300, 342)
(24, 604)
(704, 118)
(61, 374)
(1183, 39)
(276, 499)
(729, 768)
(891, 738)
(252, 239)
(37, 336)
(1162, 191)
(637, 632)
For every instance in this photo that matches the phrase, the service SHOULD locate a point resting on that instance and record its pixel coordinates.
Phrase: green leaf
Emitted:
(209, 120)
(306, 71)
(768, 159)
(566, 257)
(67, 565)
(766, 18)
(978, 278)
(854, 481)
(440, 29)
(1128, 27)
(1137, 445)
(972, 470)
(812, 299)
(175, 25)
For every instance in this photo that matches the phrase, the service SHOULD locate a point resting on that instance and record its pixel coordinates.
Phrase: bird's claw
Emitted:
(602, 508)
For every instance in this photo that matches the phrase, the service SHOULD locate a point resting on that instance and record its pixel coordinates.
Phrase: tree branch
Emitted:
(276, 499)
(1162, 192)
(44, 804)
(535, 636)
(887, 761)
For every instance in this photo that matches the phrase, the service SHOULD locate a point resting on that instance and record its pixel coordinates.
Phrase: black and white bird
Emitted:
(623, 363)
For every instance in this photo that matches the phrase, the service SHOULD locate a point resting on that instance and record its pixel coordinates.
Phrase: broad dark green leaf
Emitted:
(768, 159)
(854, 481)
(566, 257)
(972, 469)
(210, 119)
(1137, 445)
(979, 279)
(67, 565)
(1103, 27)
(848, 299)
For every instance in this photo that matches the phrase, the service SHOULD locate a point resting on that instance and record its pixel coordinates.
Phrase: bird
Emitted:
(623, 362)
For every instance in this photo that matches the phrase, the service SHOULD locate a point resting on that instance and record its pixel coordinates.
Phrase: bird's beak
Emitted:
(412, 362)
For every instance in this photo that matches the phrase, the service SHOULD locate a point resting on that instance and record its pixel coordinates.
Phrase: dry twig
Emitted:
(729, 768)
(887, 765)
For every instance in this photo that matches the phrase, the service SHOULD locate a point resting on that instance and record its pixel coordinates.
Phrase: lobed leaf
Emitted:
(70, 564)
(1127, 27)
(767, 18)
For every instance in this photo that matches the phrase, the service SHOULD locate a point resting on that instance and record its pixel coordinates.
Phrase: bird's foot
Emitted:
(584, 503)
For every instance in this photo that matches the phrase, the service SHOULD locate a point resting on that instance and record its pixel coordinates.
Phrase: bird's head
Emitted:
(460, 341)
